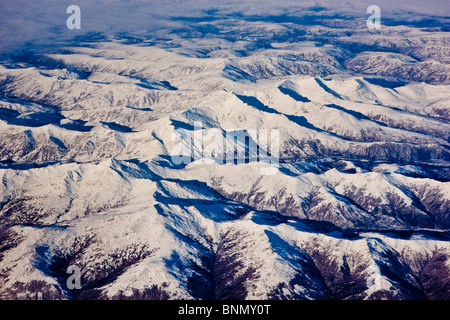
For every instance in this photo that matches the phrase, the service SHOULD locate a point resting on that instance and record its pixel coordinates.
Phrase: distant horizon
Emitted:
(24, 24)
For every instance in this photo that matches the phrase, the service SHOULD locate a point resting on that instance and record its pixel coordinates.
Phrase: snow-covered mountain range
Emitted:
(357, 206)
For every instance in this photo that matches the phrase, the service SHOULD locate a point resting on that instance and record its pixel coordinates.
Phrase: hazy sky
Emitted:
(27, 23)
